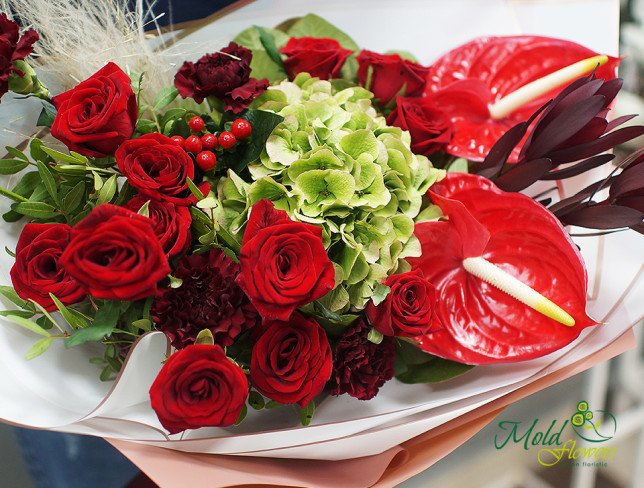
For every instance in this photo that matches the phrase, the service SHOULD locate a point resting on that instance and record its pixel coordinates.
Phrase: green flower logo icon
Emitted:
(593, 428)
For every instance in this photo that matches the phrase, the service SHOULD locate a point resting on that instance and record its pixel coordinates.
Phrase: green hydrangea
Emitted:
(334, 162)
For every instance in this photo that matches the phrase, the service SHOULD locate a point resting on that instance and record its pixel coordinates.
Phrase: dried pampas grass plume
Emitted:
(78, 37)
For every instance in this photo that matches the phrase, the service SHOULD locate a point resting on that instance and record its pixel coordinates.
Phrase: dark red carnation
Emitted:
(429, 127)
(208, 298)
(361, 367)
(198, 387)
(283, 263)
(291, 361)
(320, 57)
(158, 168)
(96, 116)
(13, 47)
(37, 271)
(115, 255)
(408, 310)
(389, 74)
(170, 222)
(224, 74)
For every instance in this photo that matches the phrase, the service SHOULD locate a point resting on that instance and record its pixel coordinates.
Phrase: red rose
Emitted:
(408, 310)
(430, 128)
(170, 222)
(158, 168)
(225, 75)
(389, 74)
(291, 362)
(361, 367)
(198, 387)
(95, 117)
(115, 254)
(13, 47)
(37, 271)
(320, 57)
(283, 263)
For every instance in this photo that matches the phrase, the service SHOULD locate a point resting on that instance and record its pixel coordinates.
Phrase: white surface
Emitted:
(65, 387)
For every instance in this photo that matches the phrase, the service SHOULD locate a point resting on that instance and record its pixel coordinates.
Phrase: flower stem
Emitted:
(13, 196)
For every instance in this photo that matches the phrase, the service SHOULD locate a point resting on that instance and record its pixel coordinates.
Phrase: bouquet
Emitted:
(303, 218)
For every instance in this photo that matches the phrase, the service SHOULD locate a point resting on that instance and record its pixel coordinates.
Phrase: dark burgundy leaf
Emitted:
(610, 89)
(500, 152)
(609, 141)
(604, 217)
(567, 204)
(579, 168)
(619, 121)
(523, 174)
(628, 182)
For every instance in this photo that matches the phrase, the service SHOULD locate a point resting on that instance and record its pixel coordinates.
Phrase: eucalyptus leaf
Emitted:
(38, 348)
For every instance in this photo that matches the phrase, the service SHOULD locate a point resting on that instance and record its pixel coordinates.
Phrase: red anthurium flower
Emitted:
(467, 80)
(482, 324)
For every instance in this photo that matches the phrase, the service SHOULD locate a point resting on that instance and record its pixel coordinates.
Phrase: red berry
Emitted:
(178, 140)
(227, 139)
(206, 160)
(196, 124)
(241, 129)
(192, 144)
(209, 141)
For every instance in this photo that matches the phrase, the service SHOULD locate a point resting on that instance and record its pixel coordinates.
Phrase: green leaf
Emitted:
(107, 191)
(458, 166)
(271, 404)
(404, 54)
(380, 293)
(205, 337)
(12, 166)
(106, 373)
(10, 294)
(375, 336)
(165, 97)
(312, 25)
(48, 180)
(268, 42)
(38, 348)
(65, 158)
(195, 190)
(256, 400)
(306, 413)
(37, 152)
(145, 126)
(27, 184)
(25, 314)
(73, 198)
(16, 153)
(415, 366)
(242, 415)
(145, 209)
(103, 325)
(175, 282)
(47, 115)
(27, 324)
(262, 65)
(9, 252)
(75, 321)
(38, 210)
(143, 324)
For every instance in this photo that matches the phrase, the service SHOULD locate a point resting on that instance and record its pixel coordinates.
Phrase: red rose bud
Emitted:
(284, 263)
(115, 255)
(206, 160)
(158, 168)
(38, 272)
(214, 74)
(227, 140)
(241, 129)
(320, 57)
(291, 362)
(208, 298)
(408, 310)
(429, 127)
(13, 47)
(209, 141)
(198, 387)
(171, 223)
(389, 73)
(178, 140)
(98, 115)
(362, 367)
(196, 124)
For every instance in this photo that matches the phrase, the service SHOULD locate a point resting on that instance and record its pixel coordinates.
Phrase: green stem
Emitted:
(13, 196)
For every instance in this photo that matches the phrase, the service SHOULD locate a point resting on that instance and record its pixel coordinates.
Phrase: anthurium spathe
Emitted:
(481, 323)
(468, 82)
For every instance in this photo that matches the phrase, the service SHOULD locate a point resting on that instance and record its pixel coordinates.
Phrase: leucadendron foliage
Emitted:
(334, 162)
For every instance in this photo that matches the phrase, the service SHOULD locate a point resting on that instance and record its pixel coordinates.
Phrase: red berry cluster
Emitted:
(202, 146)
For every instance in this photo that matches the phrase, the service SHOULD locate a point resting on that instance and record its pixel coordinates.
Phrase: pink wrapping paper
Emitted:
(174, 469)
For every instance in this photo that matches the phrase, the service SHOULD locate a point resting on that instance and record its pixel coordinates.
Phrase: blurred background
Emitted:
(617, 386)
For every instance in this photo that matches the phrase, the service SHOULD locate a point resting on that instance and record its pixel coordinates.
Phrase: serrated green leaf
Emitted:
(375, 336)
(48, 180)
(165, 97)
(12, 166)
(380, 293)
(107, 191)
(39, 210)
(38, 348)
(27, 324)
